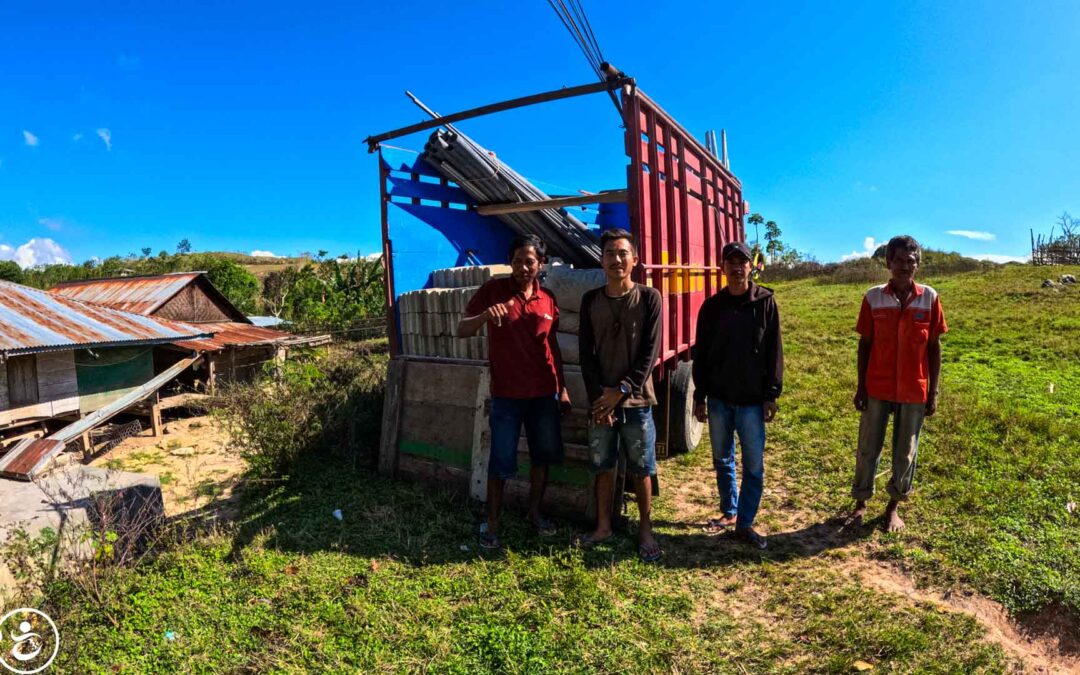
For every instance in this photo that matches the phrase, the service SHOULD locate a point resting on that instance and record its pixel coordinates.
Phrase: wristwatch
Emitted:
(624, 389)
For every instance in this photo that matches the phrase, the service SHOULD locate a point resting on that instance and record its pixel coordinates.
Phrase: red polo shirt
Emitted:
(899, 369)
(523, 353)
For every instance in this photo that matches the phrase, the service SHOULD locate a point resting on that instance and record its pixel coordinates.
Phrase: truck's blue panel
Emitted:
(427, 238)
(613, 216)
(409, 188)
(407, 161)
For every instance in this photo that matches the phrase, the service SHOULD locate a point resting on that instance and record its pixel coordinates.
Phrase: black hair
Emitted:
(523, 240)
(615, 234)
(903, 243)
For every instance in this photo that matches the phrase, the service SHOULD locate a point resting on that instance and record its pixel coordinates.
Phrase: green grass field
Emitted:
(400, 586)
(999, 463)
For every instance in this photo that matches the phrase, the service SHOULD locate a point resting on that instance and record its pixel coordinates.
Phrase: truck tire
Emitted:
(686, 431)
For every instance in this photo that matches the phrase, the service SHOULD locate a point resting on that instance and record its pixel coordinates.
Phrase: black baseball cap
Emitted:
(736, 247)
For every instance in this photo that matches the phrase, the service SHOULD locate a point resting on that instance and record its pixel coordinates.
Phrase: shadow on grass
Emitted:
(379, 517)
(420, 525)
(693, 547)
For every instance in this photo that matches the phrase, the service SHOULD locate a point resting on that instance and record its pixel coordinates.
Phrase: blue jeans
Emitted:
(541, 417)
(749, 421)
(635, 432)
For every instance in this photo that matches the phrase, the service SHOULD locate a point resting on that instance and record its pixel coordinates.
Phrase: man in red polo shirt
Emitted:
(899, 325)
(527, 385)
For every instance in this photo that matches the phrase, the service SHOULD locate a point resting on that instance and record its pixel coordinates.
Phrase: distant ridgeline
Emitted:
(872, 269)
(311, 293)
(1063, 249)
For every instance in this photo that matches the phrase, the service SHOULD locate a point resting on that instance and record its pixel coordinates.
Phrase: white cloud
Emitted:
(264, 254)
(1001, 259)
(54, 224)
(30, 138)
(35, 252)
(869, 246)
(106, 136)
(977, 235)
(77, 137)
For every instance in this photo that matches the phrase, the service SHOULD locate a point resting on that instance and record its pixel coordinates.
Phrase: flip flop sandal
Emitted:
(650, 555)
(489, 540)
(545, 527)
(716, 526)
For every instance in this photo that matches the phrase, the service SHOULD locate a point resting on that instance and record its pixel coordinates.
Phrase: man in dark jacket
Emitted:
(738, 370)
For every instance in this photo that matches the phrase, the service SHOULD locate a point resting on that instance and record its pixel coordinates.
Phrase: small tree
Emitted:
(147, 252)
(184, 247)
(10, 271)
(792, 257)
(773, 246)
(755, 219)
(235, 283)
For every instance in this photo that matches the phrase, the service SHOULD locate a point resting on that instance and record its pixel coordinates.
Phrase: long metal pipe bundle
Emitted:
(489, 181)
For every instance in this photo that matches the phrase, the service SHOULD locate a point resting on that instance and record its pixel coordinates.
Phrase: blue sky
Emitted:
(239, 125)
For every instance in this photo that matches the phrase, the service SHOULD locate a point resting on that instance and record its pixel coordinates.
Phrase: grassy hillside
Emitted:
(999, 463)
(399, 584)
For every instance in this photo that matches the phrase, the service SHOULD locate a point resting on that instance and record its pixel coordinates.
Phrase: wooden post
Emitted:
(480, 453)
(155, 420)
(210, 378)
(388, 450)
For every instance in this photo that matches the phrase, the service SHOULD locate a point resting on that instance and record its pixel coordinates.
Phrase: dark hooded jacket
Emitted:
(738, 353)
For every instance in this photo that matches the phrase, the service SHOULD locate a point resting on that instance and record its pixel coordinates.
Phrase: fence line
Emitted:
(1062, 250)
(363, 329)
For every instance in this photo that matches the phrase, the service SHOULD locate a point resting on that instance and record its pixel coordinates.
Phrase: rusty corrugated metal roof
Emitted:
(32, 321)
(140, 295)
(232, 334)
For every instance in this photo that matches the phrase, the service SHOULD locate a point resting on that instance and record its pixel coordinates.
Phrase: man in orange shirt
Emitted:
(900, 324)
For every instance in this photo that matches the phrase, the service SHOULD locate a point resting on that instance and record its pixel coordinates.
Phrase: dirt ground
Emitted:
(192, 461)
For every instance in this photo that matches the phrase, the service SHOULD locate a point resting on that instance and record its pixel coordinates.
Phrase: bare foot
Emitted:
(592, 538)
(893, 522)
(647, 539)
(856, 517)
(648, 548)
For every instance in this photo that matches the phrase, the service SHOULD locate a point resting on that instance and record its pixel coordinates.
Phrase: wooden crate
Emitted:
(436, 431)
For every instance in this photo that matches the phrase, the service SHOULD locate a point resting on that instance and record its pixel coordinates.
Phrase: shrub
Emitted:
(326, 400)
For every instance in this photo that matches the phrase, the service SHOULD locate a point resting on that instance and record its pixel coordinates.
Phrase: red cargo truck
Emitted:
(682, 204)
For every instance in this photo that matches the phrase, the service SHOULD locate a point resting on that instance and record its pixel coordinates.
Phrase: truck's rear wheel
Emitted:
(685, 430)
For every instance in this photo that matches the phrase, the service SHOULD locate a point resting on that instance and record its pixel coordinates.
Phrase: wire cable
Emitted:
(576, 21)
(567, 22)
(588, 30)
(571, 14)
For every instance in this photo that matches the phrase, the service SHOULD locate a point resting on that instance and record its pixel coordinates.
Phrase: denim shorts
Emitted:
(633, 432)
(541, 417)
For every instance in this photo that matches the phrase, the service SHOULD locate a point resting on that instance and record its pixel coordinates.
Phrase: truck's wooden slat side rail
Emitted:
(436, 430)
